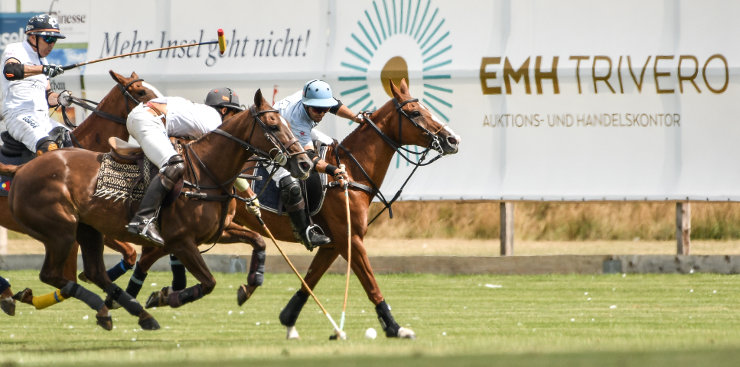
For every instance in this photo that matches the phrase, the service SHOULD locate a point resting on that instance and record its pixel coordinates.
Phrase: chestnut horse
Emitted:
(108, 119)
(53, 200)
(367, 154)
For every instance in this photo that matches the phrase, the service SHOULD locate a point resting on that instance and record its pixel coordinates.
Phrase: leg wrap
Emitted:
(75, 290)
(124, 299)
(256, 268)
(49, 299)
(289, 314)
(179, 279)
(179, 298)
(117, 270)
(387, 322)
(136, 281)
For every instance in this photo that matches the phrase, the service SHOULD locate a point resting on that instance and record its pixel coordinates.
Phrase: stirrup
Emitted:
(146, 228)
(320, 240)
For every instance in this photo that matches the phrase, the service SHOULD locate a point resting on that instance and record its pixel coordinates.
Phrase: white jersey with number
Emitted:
(26, 95)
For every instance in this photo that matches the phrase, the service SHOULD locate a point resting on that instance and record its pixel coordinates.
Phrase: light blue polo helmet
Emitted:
(317, 93)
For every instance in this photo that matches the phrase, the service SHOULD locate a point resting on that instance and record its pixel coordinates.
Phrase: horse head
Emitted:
(419, 126)
(109, 117)
(275, 141)
(134, 89)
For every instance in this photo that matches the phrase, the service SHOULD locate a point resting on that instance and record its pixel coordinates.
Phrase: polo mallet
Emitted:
(349, 251)
(338, 333)
(221, 48)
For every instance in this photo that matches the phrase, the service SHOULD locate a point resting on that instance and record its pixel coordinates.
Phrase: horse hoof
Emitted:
(405, 333)
(83, 277)
(147, 322)
(156, 299)
(292, 333)
(8, 305)
(106, 322)
(244, 292)
(25, 296)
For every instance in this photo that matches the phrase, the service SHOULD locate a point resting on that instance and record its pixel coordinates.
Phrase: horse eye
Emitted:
(415, 114)
(274, 128)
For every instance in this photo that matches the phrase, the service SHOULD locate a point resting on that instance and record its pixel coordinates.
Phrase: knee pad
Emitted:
(172, 171)
(290, 191)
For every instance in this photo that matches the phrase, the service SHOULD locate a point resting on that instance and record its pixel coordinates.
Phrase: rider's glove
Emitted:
(65, 98)
(253, 207)
(52, 70)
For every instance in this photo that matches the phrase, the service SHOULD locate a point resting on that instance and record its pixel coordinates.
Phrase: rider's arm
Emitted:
(323, 166)
(343, 111)
(14, 70)
(51, 97)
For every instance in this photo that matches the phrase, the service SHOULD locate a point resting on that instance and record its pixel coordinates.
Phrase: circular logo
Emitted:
(396, 40)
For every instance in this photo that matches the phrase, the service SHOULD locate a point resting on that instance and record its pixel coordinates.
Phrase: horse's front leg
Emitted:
(91, 243)
(189, 255)
(364, 272)
(325, 256)
(234, 233)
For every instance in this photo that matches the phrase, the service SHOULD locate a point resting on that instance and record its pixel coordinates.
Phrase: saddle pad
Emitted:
(313, 189)
(118, 181)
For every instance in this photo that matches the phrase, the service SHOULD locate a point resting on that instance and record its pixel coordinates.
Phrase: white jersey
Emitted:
(186, 119)
(27, 95)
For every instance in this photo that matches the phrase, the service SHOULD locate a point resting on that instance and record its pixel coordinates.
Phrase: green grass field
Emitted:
(572, 320)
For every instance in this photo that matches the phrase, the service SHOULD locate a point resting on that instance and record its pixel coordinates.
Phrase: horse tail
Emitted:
(8, 170)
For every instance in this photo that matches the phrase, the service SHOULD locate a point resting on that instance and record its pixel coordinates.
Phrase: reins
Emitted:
(373, 189)
(88, 105)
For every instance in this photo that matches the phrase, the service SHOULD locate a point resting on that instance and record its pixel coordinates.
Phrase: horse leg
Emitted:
(194, 263)
(7, 302)
(325, 256)
(127, 261)
(149, 255)
(364, 272)
(91, 242)
(234, 233)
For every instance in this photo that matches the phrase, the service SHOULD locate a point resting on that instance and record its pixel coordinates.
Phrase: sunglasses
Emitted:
(320, 109)
(49, 39)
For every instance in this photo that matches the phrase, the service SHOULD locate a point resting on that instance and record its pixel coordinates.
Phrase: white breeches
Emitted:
(30, 127)
(151, 134)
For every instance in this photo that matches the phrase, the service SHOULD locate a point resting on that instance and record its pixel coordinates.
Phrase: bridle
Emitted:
(434, 144)
(86, 104)
(279, 153)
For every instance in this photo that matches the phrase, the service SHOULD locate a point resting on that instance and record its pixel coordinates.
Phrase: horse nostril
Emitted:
(453, 141)
(305, 166)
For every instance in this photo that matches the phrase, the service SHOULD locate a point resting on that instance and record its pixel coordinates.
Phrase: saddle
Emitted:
(314, 188)
(125, 174)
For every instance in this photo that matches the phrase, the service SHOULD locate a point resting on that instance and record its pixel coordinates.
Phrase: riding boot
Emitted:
(310, 235)
(144, 222)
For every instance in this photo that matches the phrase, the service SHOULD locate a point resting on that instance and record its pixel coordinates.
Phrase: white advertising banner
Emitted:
(554, 100)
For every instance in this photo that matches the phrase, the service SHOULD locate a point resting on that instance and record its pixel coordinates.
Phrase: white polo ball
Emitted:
(370, 333)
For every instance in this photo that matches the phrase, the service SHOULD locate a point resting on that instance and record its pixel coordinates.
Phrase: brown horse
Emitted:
(367, 153)
(53, 200)
(108, 119)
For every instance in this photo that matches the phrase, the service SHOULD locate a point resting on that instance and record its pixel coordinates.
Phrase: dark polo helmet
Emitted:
(44, 25)
(223, 97)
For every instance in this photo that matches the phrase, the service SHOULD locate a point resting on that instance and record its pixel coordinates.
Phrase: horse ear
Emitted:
(404, 87)
(134, 75)
(117, 77)
(258, 99)
(394, 89)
